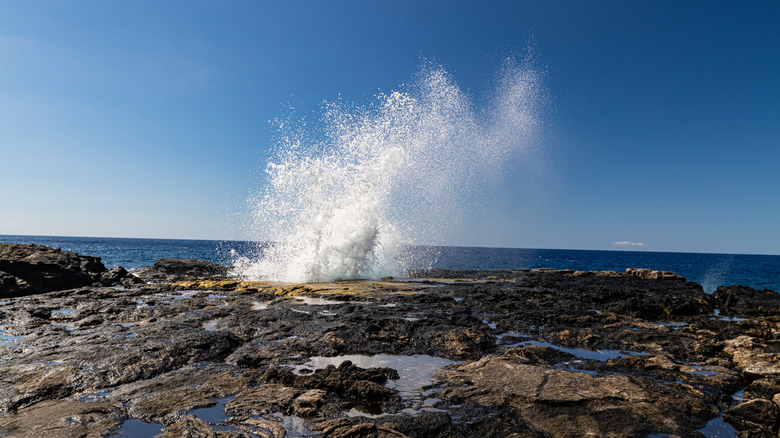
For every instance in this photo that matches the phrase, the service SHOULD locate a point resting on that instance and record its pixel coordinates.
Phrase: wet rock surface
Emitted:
(31, 269)
(521, 353)
(180, 269)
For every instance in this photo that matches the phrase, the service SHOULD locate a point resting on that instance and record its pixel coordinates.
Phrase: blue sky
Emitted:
(150, 119)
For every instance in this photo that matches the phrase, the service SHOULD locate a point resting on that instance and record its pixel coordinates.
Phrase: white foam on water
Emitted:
(347, 199)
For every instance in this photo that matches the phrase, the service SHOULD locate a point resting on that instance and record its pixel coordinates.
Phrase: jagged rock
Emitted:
(613, 355)
(31, 269)
(747, 301)
(259, 426)
(307, 404)
(757, 359)
(654, 275)
(571, 404)
(264, 399)
(758, 416)
(119, 275)
(63, 418)
(468, 341)
(13, 286)
(166, 269)
(361, 387)
(539, 355)
(762, 388)
(192, 426)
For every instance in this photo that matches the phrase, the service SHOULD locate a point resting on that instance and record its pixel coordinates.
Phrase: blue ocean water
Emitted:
(709, 270)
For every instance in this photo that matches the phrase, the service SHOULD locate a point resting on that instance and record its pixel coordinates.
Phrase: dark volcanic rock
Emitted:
(759, 416)
(30, 269)
(507, 353)
(181, 269)
(119, 275)
(571, 404)
(64, 419)
(747, 301)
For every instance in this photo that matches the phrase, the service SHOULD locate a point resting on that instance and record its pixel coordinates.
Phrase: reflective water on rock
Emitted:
(6, 339)
(600, 355)
(67, 312)
(717, 428)
(209, 326)
(414, 371)
(727, 318)
(134, 428)
(315, 301)
(256, 305)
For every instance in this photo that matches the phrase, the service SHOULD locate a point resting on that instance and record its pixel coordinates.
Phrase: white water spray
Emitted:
(398, 172)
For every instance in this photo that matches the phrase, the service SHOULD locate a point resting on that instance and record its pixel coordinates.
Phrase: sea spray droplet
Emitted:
(401, 171)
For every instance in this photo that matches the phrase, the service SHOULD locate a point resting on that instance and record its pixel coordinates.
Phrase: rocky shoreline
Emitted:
(178, 349)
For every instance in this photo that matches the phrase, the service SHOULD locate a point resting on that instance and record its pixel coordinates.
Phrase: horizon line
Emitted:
(631, 249)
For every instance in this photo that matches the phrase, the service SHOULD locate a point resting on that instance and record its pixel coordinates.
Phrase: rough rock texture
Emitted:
(654, 275)
(505, 353)
(180, 269)
(29, 269)
(32, 269)
(747, 301)
(757, 417)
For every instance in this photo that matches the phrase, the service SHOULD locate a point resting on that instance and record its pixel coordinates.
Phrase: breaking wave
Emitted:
(350, 197)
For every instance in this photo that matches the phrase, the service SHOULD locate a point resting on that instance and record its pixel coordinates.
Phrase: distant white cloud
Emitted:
(627, 243)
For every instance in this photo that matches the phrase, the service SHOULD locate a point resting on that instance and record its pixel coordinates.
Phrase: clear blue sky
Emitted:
(150, 118)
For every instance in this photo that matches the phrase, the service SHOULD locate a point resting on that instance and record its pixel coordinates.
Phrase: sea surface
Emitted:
(709, 270)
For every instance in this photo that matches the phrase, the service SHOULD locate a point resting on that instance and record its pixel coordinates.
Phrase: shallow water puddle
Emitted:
(139, 303)
(600, 355)
(175, 298)
(217, 417)
(63, 313)
(93, 396)
(210, 326)
(727, 318)
(9, 339)
(492, 325)
(68, 326)
(414, 372)
(134, 428)
(213, 414)
(314, 301)
(717, 428)
(702, 371)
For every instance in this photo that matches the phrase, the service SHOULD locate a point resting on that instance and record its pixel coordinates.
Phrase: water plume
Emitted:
(350, 198)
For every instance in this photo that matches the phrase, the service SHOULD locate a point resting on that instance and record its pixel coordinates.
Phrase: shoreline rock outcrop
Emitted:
(30, 269)
(504, 353)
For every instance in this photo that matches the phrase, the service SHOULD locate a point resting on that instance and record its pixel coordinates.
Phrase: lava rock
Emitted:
(520, 353)
(31, 269)
(762, 388)
(758, 416)
(167, 270)
(747, 301)
(119, 275)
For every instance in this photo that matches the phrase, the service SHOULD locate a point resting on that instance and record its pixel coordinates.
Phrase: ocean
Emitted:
(709, 270)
